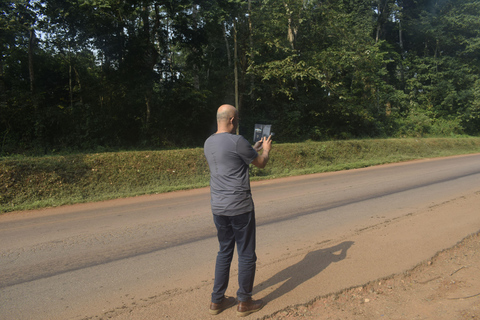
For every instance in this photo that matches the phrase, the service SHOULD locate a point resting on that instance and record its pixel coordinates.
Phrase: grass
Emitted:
(37, 182)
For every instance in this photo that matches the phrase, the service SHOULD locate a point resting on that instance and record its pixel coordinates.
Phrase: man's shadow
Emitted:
(313, 263)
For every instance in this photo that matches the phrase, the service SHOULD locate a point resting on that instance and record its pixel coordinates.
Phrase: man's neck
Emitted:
(224, 130)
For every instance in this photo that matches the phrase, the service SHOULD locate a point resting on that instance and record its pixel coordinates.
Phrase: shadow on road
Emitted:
(313, 263)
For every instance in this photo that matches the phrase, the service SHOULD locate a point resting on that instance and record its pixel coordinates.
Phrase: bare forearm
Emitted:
(261, 160)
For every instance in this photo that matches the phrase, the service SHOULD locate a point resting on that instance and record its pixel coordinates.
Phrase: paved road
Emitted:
(120, 258)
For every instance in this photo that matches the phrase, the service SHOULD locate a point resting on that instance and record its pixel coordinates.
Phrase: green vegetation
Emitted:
(81, 74)
(35, 182)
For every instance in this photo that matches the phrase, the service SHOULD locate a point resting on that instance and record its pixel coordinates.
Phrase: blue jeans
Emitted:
(230, 230)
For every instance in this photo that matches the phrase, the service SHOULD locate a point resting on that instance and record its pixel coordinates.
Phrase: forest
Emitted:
(79, 75)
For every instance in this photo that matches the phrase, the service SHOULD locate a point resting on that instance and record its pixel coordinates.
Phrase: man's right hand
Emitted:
(267, 143)
(262, 159)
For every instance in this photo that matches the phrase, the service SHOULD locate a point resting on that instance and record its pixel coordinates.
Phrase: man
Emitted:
(229, 156)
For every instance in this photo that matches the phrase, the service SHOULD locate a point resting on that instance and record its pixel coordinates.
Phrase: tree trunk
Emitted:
(3, 103)
(292, 32)
(70, 86)
(402, 70)
(196, 68)
(31, 43)
(235, 58)
(148, 111)
(377, 37)
(291, 35)
(292, 29)
(3, 97)
(252, 51)
(226, 44)
(382, 17)
(79, 83)
(150, 56)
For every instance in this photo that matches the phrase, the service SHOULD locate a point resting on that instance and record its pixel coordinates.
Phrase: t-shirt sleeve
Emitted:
(246, 151)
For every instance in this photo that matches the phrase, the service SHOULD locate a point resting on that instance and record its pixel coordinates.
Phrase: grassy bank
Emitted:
(36, 182)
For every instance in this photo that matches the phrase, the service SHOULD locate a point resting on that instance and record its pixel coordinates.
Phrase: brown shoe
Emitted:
(246, 307)
(227, 302)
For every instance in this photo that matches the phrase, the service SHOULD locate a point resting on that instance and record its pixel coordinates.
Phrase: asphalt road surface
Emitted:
(152, 257)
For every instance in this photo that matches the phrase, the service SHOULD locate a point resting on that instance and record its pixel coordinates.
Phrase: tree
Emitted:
(444, 61)
(83, 73)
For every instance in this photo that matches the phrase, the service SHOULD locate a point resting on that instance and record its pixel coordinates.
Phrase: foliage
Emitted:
(82, 74)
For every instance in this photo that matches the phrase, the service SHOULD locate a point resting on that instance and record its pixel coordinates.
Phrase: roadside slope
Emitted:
(445, 287)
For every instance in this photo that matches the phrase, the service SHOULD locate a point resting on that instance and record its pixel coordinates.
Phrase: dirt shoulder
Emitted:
(441, 285)
(396, 269)
(446, 286)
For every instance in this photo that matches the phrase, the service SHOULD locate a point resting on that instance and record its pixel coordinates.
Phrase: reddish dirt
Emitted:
(334, 279)
(444, 287)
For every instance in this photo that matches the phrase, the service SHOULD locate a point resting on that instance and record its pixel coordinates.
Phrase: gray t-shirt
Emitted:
(228, 157)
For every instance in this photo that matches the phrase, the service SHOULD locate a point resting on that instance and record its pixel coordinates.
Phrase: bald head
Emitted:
(227, 118)
(225, 112)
